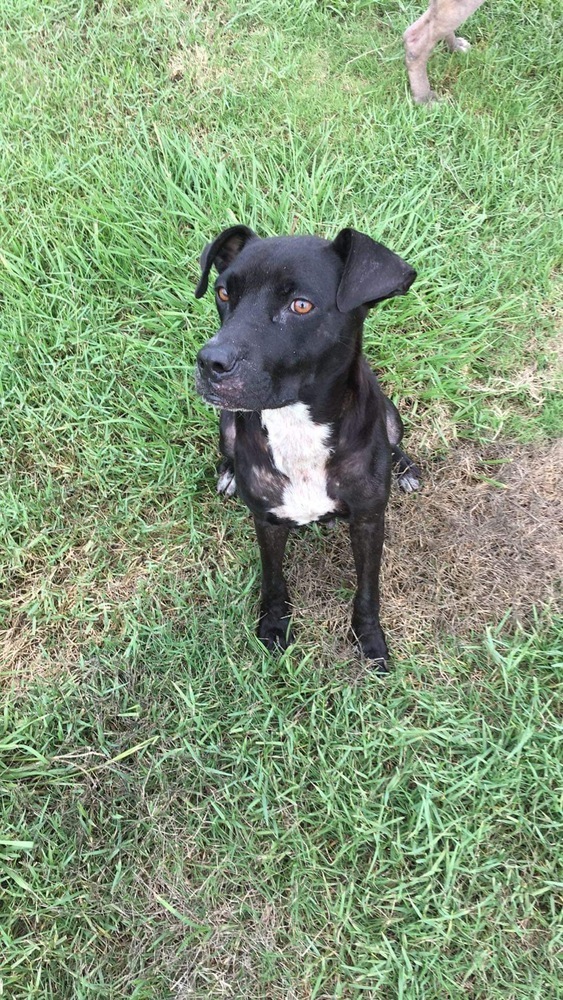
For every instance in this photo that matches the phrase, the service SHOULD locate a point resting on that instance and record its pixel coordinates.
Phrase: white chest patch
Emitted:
(299, 449)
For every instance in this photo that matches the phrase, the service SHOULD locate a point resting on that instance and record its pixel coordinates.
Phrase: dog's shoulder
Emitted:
(360, 465)
(364, 412)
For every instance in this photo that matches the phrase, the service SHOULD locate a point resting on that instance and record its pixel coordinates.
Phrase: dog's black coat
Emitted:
(266, 356)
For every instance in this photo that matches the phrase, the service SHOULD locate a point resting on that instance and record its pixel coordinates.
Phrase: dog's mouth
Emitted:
(208, 396)
(225, 394)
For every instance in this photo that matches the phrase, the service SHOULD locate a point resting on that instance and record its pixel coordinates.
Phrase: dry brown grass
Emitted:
(192, 61)
(482, 538)
(57, 609)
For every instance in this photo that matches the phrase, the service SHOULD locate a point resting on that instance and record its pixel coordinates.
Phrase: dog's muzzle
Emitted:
(227, 379)
(216, 372)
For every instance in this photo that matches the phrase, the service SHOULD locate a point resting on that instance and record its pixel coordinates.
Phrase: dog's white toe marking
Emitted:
(408, 482)
(300, 451)
(227, 483)
(461, 45)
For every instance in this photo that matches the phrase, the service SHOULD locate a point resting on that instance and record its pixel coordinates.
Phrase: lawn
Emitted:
(183, 815)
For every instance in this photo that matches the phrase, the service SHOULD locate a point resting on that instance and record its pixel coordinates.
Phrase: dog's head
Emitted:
(291, 310)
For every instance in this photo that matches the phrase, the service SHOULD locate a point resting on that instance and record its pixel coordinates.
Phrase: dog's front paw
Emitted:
(226, 482)
(274, 631)
(371, 644)
(425, 97)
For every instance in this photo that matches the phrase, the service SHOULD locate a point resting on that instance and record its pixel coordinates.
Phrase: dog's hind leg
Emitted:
(393, 423)
(226, 482)
(438, 22)
(407, 473)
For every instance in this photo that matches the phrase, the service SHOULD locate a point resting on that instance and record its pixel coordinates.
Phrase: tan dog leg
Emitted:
(439, 22)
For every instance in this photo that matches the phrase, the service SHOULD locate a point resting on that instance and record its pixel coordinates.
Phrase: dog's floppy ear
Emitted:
(221, 251)
(371, 271)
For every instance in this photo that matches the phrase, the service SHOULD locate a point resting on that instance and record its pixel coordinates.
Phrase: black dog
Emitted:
(305, 427)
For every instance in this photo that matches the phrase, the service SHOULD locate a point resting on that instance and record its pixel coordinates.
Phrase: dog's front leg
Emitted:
(367, 546)
(274, 625)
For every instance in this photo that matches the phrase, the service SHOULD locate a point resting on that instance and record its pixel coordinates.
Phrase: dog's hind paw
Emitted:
(226, 482)
(407, 474)
(458, 44)
(409, 481)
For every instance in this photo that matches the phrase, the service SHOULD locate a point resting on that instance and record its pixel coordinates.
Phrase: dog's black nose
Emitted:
(217, 359)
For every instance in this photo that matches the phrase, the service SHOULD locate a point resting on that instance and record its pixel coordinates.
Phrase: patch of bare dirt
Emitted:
(192, 61)
(484, 537)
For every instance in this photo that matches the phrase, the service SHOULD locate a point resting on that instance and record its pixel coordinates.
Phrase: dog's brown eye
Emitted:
(301, 306)
(222, 294)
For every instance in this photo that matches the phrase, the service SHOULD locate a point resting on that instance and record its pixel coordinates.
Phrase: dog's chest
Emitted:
(300, 451)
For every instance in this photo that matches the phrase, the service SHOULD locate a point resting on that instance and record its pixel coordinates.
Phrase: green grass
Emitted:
(253, 828)
(184, 816)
